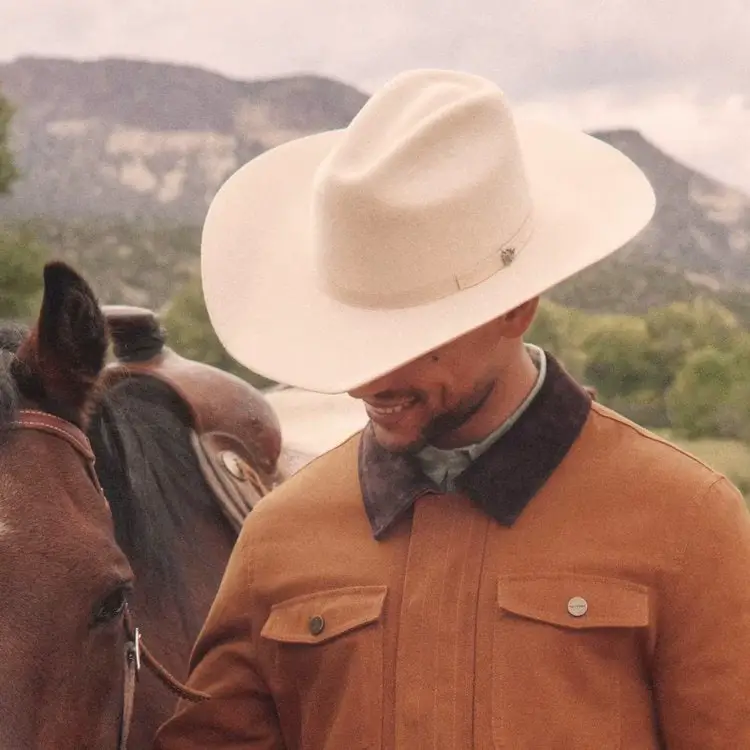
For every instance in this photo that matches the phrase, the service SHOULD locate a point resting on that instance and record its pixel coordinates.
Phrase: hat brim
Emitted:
(258, 276)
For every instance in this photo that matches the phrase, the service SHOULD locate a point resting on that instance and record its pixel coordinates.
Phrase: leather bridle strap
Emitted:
(132, 667)
(136, 652)
(41, 421)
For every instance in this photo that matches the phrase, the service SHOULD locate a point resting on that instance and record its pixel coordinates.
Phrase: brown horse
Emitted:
(71, 555)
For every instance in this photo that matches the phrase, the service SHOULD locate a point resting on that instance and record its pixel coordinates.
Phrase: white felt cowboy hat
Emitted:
(336, 258)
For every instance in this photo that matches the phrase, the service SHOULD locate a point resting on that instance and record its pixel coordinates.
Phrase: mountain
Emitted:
(121, 158)
(697, 242)
(142, 141)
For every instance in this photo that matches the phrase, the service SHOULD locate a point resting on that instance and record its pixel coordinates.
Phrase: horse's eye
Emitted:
(111, 607)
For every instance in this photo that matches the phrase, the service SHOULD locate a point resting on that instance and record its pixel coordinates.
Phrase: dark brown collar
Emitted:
(504, 479)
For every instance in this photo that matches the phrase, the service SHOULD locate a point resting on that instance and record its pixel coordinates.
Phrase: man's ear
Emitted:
(514, 324)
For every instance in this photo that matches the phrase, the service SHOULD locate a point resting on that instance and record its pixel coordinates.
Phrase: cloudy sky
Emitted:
(677, 69)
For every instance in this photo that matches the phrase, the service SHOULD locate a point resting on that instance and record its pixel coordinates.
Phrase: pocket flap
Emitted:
(575, 601)
(318, 617)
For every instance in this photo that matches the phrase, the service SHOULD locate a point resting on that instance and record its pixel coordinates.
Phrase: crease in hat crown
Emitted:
(424, 195)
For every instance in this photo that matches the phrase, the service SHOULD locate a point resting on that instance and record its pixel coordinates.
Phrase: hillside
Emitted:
(140, 140)
(701, 227)
(121, 158)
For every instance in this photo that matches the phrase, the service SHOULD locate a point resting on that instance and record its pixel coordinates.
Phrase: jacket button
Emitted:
(577, 606)
(317, 625)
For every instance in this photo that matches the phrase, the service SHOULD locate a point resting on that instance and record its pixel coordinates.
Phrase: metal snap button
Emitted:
(317, 625)
(578, 606)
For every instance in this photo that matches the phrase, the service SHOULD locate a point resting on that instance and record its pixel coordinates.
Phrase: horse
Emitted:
(109, 479)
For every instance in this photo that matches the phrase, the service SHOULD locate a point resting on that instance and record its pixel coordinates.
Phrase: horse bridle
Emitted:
(136, 653)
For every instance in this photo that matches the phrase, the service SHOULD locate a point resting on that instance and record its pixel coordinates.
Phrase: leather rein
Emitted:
(136, 653)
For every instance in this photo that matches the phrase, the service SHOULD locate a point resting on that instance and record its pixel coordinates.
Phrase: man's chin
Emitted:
(395, 442)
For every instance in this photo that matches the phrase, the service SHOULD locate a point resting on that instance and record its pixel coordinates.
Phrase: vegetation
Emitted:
(22, 262)
(682, 370)
(125, 262)
(21, 256)
(685, 366)
(8, 172)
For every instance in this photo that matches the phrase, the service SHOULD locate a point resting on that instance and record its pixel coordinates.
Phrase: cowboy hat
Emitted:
(338, 257)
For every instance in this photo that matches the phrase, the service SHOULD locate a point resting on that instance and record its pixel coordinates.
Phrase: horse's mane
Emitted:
(140, 433)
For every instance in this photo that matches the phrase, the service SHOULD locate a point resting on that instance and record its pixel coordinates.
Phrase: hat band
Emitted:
(487, 267)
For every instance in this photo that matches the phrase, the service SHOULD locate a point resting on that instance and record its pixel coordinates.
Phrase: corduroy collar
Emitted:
(504, 479)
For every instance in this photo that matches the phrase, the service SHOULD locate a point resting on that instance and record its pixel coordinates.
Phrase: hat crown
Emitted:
(425, 194)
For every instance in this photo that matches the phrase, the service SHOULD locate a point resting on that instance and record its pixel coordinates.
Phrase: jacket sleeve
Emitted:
(240, 712)
(702, 655)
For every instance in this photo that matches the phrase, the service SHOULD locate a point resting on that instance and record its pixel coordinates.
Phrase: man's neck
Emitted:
(444, 465)
(518, 380)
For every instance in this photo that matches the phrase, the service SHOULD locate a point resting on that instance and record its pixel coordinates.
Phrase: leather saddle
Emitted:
(235, 432)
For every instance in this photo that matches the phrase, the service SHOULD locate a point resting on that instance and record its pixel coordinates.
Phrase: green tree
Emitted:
(701, 393)
(681, 328)
(22, 261)
(21, 257)
(624, 368)
(618, 358)
(676, 332)
(733, 410)
(190, 333)
(8, 174)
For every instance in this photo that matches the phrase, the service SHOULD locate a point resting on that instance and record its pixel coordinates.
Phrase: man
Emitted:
(495, 561)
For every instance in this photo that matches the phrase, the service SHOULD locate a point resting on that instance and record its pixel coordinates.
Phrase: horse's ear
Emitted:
(60, 361)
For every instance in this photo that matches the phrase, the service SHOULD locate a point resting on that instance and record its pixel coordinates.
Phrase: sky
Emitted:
(678, 70)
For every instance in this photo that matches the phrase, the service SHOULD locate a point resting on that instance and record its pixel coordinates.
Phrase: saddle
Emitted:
(235, 433)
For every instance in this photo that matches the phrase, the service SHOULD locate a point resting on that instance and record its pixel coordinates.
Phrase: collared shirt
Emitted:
(503, 479)
(444, 466)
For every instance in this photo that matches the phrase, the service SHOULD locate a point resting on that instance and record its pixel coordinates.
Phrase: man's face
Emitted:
(446, 397)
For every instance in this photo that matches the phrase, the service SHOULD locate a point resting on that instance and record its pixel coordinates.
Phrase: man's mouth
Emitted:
(387, 409)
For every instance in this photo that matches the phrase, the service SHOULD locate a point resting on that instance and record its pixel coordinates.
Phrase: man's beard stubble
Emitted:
(443, 425)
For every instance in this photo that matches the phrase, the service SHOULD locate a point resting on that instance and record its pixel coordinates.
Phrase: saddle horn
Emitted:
(137, 334)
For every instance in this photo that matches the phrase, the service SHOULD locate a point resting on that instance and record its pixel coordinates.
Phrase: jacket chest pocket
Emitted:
(326, 666)
(564, 648)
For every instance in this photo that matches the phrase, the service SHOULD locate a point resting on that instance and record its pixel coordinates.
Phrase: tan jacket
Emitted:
(610, 610)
